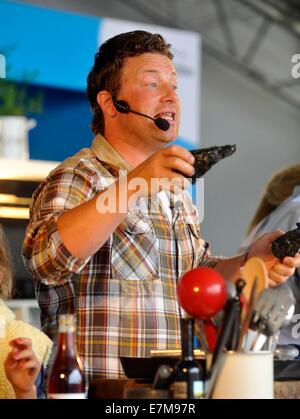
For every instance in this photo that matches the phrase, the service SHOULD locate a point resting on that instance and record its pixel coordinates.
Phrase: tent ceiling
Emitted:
(254, 37)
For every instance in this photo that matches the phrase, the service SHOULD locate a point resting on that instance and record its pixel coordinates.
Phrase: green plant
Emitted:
(18, 100)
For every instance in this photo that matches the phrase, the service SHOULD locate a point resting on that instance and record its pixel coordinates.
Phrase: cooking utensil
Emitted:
(202, 292)
(286, 352)
(254, 269)
(218, 355)
(233, 341)
(248, 315)
(273, 307)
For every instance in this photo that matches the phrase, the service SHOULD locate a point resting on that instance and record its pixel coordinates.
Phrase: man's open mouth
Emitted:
(169, 116)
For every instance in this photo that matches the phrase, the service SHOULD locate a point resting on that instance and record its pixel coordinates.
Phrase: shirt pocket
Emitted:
(135, 252)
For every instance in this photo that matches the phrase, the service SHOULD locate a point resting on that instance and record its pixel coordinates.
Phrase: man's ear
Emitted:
(105, 102)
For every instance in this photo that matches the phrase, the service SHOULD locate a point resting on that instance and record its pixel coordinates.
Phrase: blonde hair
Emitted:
(279, 187)
(6, 271)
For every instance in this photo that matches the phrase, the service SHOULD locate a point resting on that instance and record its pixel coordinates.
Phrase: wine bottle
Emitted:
(188, 376)
(66, 378)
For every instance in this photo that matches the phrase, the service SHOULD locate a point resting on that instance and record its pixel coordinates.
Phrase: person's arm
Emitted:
(68, 227)
(84, 229)
(229, 267)
(22, 368)
(278, 271)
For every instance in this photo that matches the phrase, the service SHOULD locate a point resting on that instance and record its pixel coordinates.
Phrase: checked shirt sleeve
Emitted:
(207, 259)
(44, 253)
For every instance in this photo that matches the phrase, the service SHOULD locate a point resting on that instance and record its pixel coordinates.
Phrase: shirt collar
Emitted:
(106, 153)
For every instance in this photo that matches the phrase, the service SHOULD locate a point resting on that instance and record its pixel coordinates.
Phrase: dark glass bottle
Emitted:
(66, 378)
(188, 377)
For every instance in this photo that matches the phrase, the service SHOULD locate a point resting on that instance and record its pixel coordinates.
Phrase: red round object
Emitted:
(202, 292)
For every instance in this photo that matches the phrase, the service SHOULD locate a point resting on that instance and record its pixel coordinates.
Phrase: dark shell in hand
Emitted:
(205, 158)
(288, 244)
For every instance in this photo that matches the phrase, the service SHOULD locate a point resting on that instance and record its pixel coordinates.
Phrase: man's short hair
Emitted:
(109, 59)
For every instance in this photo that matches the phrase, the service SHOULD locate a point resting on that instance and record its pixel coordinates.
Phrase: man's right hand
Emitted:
(85, 228)
(167, 169)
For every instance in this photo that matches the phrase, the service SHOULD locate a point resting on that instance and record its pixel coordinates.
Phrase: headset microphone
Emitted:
(123, 107)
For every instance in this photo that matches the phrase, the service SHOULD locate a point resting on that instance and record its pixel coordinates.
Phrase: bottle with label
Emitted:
(66, 378)
(188, 376)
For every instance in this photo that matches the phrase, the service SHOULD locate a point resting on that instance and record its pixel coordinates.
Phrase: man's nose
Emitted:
(169, 94)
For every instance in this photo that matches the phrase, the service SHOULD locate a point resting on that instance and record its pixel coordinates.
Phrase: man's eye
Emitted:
(174, 86)
(153, 84)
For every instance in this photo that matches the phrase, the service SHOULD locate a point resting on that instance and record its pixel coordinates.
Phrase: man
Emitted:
(117, 269)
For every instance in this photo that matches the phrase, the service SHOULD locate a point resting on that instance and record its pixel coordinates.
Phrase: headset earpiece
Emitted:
(121, 105)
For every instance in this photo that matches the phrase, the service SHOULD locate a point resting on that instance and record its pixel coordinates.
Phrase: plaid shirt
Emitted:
(124, 296)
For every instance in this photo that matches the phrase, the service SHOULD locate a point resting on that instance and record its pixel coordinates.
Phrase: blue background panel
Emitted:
(59, 47)
(64, 126)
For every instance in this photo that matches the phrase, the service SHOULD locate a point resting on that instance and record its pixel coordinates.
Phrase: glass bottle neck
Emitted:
(187, 338)
(67, 342)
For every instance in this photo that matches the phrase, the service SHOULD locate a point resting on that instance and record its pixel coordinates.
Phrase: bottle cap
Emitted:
(66, 322)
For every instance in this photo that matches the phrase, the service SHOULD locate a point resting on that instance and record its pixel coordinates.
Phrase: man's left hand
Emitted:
(278, 271)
